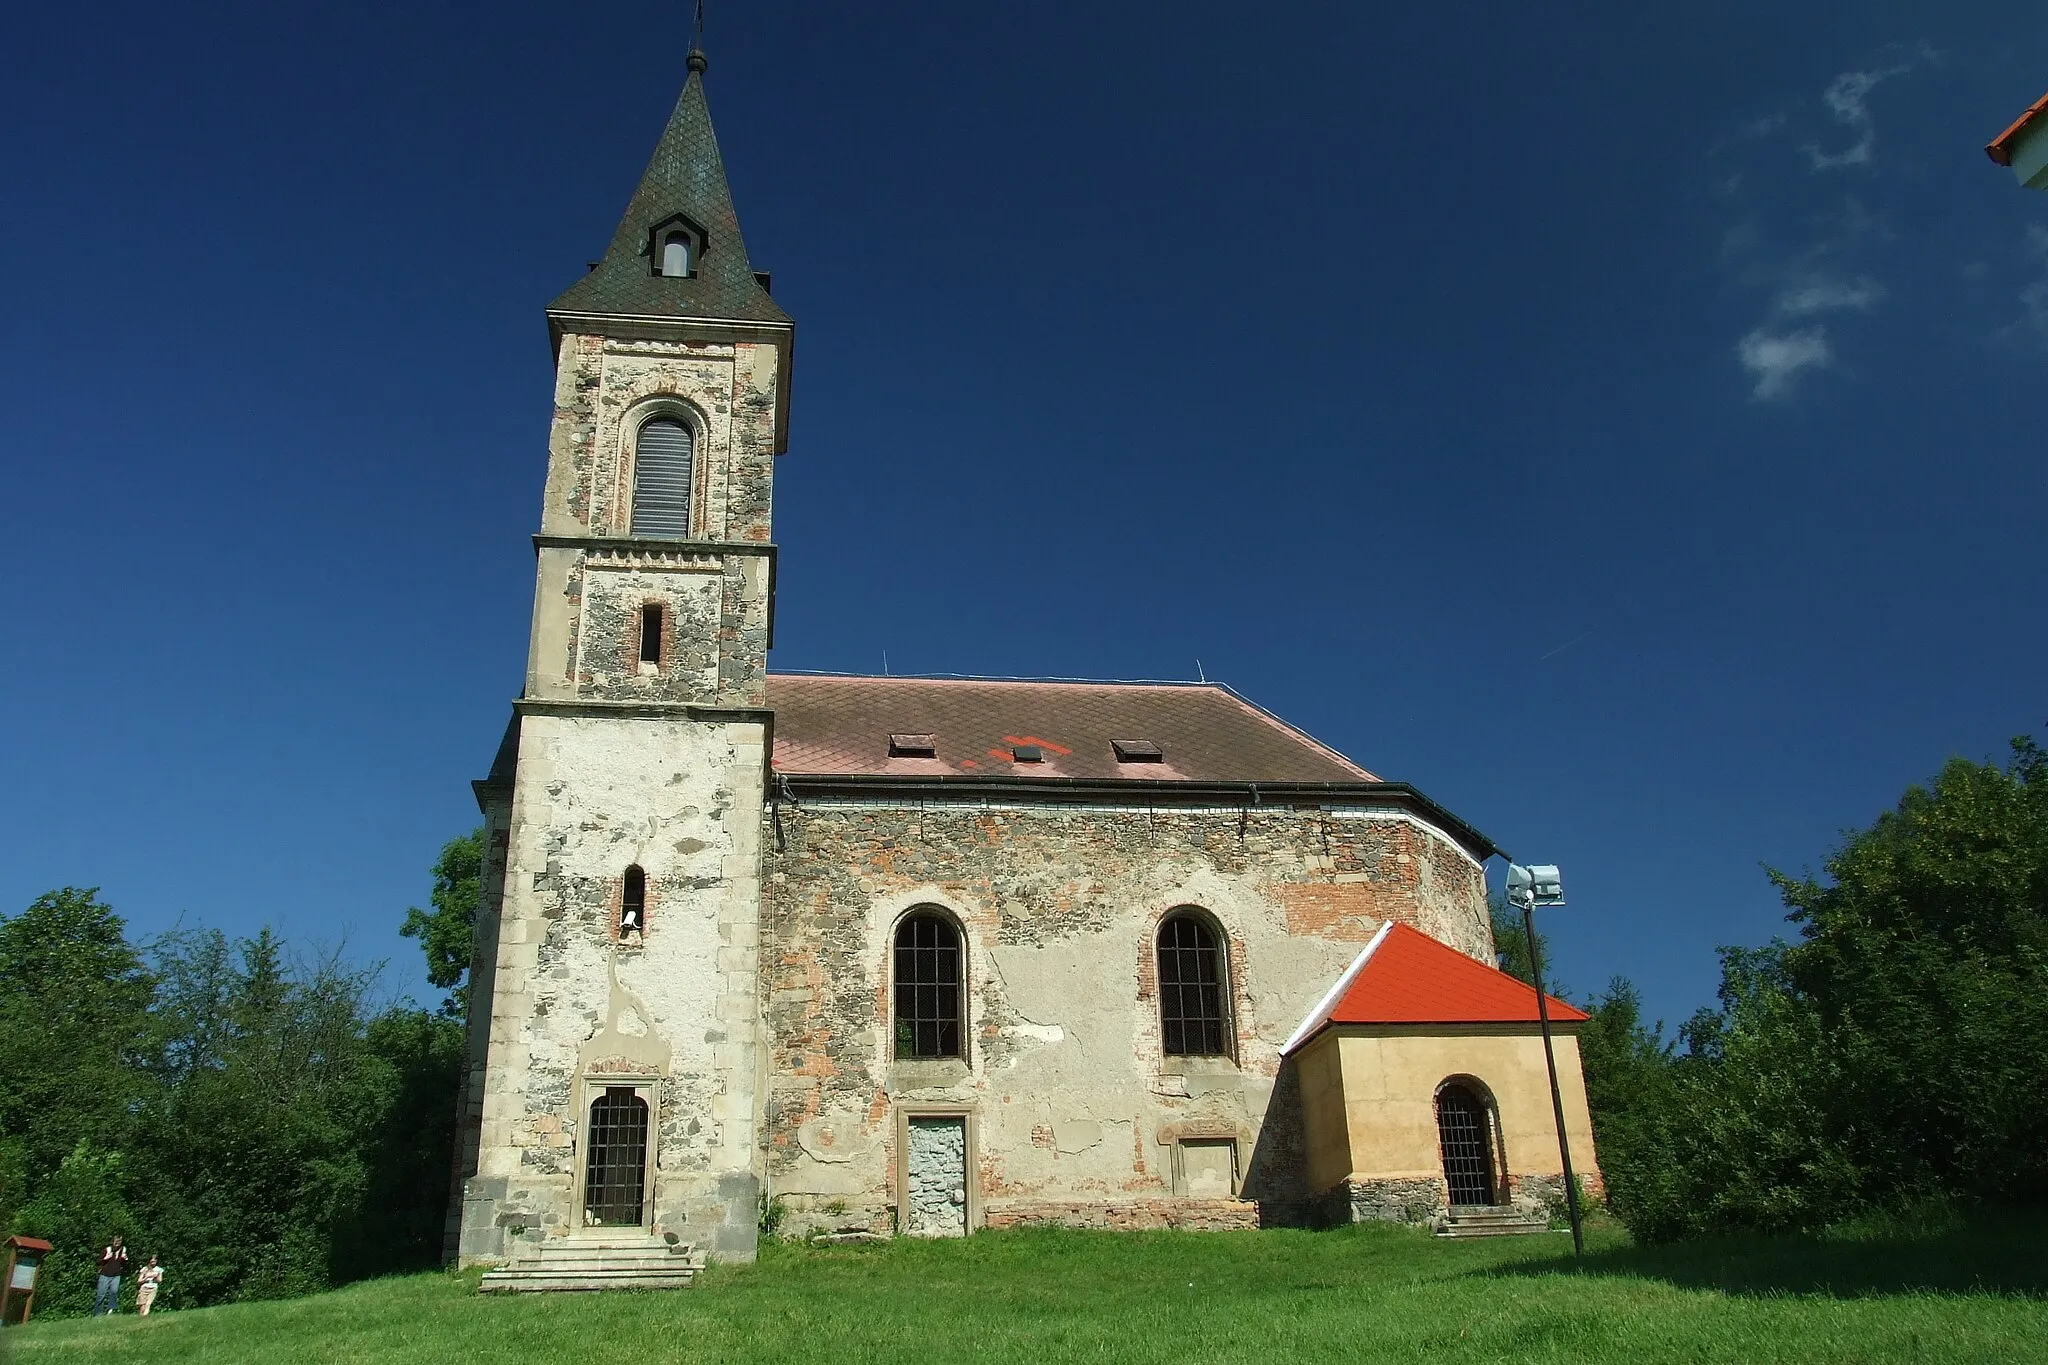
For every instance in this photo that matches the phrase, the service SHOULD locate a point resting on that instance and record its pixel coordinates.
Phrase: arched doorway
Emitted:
(1464, 1135)
(615, 1172)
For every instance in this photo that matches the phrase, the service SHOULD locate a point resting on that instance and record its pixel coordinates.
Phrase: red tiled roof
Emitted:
(840, 726)
(1406, 977)
(2000, 148)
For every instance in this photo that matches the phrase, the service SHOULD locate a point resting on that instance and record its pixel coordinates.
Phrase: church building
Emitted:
(868, 956)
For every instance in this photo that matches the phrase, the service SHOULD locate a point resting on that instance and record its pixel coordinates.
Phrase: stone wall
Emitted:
(713, 588)
(1077, 1105)
(605, 386)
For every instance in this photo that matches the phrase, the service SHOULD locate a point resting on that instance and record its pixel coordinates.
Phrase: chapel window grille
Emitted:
(615, 1172)
(1194, 1015)
(928, 994)
(633, 902)
(664, 459)
(1463, 1134)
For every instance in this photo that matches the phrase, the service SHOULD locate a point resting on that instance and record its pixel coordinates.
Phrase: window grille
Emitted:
(633, 902)
(663, 459)
(928, 1022)
(1461, 1130)
(1193, 1015)
(615, 1173)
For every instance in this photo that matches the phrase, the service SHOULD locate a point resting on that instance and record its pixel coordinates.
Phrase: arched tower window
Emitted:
(615, 1170)
(664, 454)
(675, 254)
(929, 1020)
(633, 902)
(1194, 1012)
(1464, 1136)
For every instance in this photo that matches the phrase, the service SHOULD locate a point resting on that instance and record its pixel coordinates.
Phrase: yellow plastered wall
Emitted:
(1323, 1112)
(1388, 1081)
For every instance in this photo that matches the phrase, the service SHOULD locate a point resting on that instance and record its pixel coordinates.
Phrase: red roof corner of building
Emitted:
(1406, 977)
(1999, 149)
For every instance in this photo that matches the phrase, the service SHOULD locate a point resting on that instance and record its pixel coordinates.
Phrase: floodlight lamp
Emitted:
(1529, 887)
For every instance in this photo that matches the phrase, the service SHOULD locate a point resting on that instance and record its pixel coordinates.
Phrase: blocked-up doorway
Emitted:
(935, 1175)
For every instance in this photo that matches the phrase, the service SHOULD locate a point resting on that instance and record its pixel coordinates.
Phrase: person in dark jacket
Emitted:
(113, 1265)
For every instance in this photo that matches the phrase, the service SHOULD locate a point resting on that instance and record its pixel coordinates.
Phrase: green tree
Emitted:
(253, 1147)
(77, 1209)
(74, 996)
(1925, 955)
(1892, 1054)
(448, 931)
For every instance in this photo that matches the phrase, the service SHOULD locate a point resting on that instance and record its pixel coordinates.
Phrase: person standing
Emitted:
(146, 1281)
(113, 1265)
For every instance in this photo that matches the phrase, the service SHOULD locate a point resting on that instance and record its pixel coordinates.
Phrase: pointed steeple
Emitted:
(682, 196)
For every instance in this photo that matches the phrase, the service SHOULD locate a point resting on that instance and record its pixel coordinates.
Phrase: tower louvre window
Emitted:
(664, 455)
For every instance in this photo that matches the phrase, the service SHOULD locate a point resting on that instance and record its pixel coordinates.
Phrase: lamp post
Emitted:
(1529, 887)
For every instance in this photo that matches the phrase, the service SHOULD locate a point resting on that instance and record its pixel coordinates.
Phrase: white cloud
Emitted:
(1848, 98)
(2034, 296)
(1778, 358)
(1819, 294)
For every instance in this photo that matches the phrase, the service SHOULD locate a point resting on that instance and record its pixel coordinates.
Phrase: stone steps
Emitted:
(1481, 1220)
(594, 1263)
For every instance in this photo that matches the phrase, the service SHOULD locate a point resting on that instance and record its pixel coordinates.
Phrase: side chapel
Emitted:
(881, 955)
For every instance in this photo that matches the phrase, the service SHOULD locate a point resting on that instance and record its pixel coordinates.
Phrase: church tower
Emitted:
(615, 1050)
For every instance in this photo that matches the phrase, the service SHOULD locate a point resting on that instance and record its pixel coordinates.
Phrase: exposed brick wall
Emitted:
(1192, 1215)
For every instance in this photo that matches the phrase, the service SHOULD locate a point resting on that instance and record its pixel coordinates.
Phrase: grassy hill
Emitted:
(1977, 1294)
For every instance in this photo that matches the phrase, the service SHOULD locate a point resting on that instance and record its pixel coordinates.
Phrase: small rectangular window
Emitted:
(913, 746)
(650, 635)
(1028, 753)
(1136, 751)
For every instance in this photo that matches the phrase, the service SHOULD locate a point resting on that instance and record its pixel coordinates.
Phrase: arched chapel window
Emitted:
(633, 902)
(664, 454)
(675, 255)
(1194, 1014)
(615, 1170)
(928, 1015)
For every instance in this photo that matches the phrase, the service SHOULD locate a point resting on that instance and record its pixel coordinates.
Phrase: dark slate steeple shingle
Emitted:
(685, 176)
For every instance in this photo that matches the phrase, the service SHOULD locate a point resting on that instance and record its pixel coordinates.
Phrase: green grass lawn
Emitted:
(1368, 1293)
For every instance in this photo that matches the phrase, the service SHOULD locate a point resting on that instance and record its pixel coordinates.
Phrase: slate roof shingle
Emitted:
(840, 726)
(686, 176)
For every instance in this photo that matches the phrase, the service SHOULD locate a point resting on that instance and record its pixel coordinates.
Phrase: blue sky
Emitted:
(1625, 426)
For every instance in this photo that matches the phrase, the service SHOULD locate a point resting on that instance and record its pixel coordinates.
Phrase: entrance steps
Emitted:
(1491, 1220)
(591, 1263)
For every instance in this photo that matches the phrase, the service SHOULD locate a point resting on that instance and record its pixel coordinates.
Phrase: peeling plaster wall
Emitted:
(1076, 1103)
(594, 794)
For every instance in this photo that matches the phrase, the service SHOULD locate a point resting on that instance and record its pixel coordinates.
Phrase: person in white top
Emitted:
(146, 1281)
